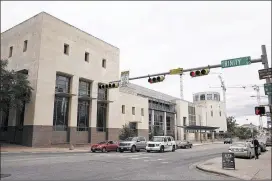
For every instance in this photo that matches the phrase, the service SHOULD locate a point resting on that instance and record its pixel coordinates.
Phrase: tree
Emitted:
(15, 89)
(231, 125)
(126, 132)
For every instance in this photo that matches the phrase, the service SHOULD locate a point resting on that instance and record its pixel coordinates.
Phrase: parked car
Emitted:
(184, 144)
(262, 146)
(132, 144)
(161, 143)
(242, 149)
(228, 141)
(105, 146)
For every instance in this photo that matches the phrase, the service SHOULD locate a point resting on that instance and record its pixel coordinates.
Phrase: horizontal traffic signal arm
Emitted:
(108, 86)
(156, 79)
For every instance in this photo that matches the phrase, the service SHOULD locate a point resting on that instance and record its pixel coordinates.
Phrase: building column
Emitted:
(212, 136)
(206, 136)
(164, 123)
(187, 136)
(175, 126)
(152, 118)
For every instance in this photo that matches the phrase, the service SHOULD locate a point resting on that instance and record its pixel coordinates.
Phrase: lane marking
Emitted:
(164, 162)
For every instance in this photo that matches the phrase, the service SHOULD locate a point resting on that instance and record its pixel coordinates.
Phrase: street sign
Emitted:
(124, 79)
(265, 73)
(176, 71)
(268, 89)
(228, 160)
(236, 62)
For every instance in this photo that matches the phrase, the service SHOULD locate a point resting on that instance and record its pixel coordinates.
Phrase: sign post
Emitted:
(124, 79)
(228, 160)
(236, 62)
(265, 73)
(268, 89)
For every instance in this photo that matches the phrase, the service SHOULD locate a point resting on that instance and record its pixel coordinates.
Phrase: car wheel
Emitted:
(138, 150)
(133, 148)
(93, 151)
(121, 151)
(162, 149)
(190, 146)
(173, 148)
(148, 151)
(104, 150)
(250, 156)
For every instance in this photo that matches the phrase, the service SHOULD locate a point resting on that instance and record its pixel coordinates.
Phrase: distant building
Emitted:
(65, 66)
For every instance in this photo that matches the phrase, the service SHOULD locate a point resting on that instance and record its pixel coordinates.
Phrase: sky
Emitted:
(155, 37)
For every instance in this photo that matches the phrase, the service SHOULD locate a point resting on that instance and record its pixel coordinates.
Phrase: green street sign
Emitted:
(268, 89)
(236, 62)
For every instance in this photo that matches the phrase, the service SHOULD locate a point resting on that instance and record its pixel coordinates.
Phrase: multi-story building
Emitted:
(65, 67)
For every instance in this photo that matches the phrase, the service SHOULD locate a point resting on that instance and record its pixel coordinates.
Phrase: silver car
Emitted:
(242, 149)
(132, 144)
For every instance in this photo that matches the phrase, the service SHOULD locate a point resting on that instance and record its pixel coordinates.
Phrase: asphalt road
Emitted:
(179, 165)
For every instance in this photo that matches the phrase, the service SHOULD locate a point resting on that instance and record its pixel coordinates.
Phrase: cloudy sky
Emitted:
(157, 36)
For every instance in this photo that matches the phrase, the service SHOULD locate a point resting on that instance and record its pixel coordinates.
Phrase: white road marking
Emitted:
(164, 162)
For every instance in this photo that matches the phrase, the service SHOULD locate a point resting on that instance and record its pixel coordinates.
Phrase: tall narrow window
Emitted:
(86, 57)
(104, 63)
(142, 111)
(220, 113)
(66, 49)
(212, 113)
(83, 105)
(102, 107)
(10, 51)
(25, 46)
(123, 109)
(133, 110)
(168, 123)
(61, 105)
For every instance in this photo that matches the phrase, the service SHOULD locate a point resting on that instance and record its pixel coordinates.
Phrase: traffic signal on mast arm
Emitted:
(108, 86)
(156, 79)
(198, 73)
(260, 110)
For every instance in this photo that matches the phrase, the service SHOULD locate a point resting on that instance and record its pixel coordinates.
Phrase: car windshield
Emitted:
(157, 139)
(131, 139)
(239, 144)
(103, 142)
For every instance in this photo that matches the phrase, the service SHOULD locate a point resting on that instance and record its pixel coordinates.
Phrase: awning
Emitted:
(63, 94)
(104, 101)
(194, 127)
(85, 98)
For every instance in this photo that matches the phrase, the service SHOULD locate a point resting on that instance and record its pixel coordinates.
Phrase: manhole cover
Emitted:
(208, 163)
(5, 175)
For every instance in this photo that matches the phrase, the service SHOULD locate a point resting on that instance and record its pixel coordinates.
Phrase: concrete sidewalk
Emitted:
(246, 169)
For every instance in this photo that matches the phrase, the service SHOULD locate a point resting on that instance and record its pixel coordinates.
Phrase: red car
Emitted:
(105, 146)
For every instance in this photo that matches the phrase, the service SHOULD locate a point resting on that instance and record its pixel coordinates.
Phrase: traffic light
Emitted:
(260, 110)
(108, 86)
(156, 79)
(198, 73)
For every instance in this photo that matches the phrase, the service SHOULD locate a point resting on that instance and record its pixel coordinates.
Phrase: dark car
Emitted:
(105, 146)
(184, 144)
(228, 141)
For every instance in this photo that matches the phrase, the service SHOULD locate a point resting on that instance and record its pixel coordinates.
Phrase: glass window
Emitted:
(110, 142)
(142, 111)
(220, 113)
(165, 139)
(101, 117)
(212, 113)
(209, 96)
(168, 123)
(104, 63)
(123, 109)
(184, 121)
(62, 84)
(60, 118)
(83, 115)
(202, 97)
(102, 93)
(84, 88)
(216, 97)
(196, 97)
(169, 139)
(133, 110)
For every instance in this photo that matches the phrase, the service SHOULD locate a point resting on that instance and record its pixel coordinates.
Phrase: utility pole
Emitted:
(224, 93)
(181, 86)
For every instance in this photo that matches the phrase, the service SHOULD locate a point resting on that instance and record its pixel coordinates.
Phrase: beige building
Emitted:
(65, 67)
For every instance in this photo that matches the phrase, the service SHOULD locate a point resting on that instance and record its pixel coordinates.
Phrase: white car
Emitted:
(161, 143)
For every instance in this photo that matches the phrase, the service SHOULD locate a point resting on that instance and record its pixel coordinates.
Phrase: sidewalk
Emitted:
(207, 143)
(9, 148)
(246, 169)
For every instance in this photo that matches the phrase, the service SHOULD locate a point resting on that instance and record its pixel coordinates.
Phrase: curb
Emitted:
(25, 153)
(221, 173)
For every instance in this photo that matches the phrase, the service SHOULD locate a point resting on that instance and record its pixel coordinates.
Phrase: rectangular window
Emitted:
(142, 111)
(62, 84)
(212, 113)
(86, 57)
(202, 97)
(209, 96)
(168, 124)
(83, 115)
(102, 93)
(84, 88)
(133, 110)
(104, 63)
(101, 117)
(66, 49)
(61, 110)
(123, 109)
(220, 113)
(25, 46)
(10, 51)
(184, 121)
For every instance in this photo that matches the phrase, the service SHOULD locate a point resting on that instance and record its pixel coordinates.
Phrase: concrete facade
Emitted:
(45, 60)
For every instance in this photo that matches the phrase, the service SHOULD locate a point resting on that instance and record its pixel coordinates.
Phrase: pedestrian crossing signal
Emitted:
(260, 110)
